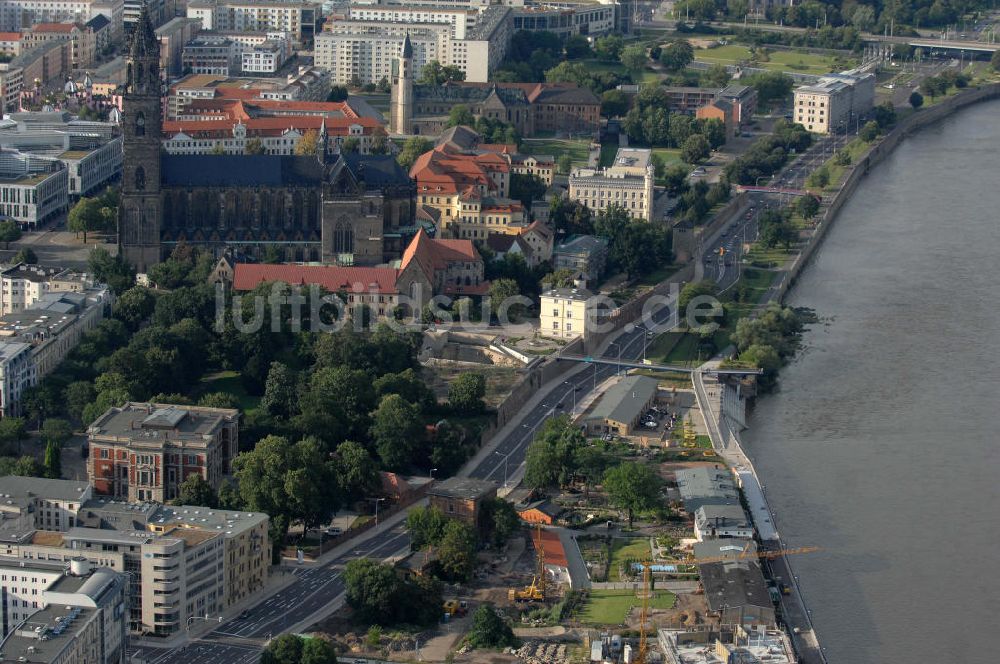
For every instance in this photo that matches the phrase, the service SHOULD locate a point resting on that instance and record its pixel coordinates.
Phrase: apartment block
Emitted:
(627, 183)
(144, 451)
(299, 19)
(267, 57)
(37, 503)
(566, 313)
(835, 101)
(17, 15)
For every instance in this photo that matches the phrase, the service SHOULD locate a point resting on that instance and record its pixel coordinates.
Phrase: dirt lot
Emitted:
(499, 380)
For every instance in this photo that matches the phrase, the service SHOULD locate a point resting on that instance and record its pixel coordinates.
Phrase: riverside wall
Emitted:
(872, 158)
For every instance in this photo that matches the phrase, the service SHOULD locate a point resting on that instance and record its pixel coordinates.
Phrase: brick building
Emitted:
(462, 497)
(144, 451)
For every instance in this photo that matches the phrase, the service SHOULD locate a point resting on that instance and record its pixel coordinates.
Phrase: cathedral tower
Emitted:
(139, 211)
(401, 103)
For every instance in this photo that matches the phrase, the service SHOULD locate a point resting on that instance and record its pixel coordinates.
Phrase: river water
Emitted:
(881, 444)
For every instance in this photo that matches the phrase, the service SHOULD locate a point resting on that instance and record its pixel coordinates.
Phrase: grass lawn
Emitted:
(378, 101)
(624, 549)
(229, 382)
(780, 60)
(670, 156)
(656, 276)
(577, 150)
(685, 352)
(608, 151)
(610, 607)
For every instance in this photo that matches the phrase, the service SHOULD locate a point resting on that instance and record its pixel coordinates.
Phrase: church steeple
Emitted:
(140, 209)
(401, 95)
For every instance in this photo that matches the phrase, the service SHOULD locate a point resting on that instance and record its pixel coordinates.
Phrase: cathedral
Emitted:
(346, 209)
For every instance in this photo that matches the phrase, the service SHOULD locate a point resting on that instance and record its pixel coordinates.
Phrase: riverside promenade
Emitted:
(726, 444)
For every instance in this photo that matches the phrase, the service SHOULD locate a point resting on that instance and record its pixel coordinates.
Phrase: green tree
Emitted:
(337, 93)
(25, 255)
(253, 146)
(219, 400)
(378, 596)
(677, 55)
(716, 76)
(499, 518)
(863, 18)
(634, 58)
(613, 104)
(383, 85)
(460, 115)
(564, 163)
(396, 430)
(285, 649)
(819, 178)
(869, 132)
(12, 432)
(357, 472)
(772, 86)
(917, 99)
(807, 206)
(995, 61)
(527, 188)
(696, 149)
(9, 232)
(609, 47)
(633, 487)
(25, 466)
(466, 393)
(568, 72)
(56, 430)
(53, 460)
(550, 458)
(456, 552)
(426, 526)
(577, 47)
(318, 651)
(884, 114)
(280, 391)
(434, 73)
(134, 306)
(692, 290)
(112, 270)
(308, 144)
(501, 294)
(194, 490)
(489, 630)
(413, 148)
(218, 150)
(715, 131)
(85, 217)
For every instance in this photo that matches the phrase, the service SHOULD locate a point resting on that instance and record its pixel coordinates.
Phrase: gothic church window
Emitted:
(140, 178)
(343, 238)
(140, 124)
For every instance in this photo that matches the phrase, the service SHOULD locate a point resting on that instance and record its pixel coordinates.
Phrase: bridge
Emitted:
(777, 190)
(935, 44)
(632, 364)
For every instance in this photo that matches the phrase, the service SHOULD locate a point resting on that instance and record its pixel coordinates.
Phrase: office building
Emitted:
(834, 102)
(627, 183)
(211, 54)
(32, 189)
(566, 18)
(173, 35)
(267, 57)
(565, 313)
(305, 84)
(144, 451)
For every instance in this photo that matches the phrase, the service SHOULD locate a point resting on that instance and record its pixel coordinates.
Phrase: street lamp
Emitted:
(433, 470)
(573, 392)
(506, 458)
(205, 617)
(376, 501)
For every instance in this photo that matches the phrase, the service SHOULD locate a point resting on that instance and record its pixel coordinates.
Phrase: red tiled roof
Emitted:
(442, 172)
(271, 126)
(11, 36)
(432, 255)
(333, 278)
(53, 27)
(502, 148)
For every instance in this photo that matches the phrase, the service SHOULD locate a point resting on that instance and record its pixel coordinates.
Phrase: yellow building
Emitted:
(566, 313)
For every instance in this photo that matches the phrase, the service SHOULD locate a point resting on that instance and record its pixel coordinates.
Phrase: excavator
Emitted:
(536, 591)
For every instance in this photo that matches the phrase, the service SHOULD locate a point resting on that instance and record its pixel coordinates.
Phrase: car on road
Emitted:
(334, 531)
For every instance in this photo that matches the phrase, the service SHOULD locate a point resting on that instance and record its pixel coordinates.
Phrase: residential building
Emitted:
(566, 313)
(23, 285)
(100, 26)
(82, 40)
(55, 614)
(684, 99)
(835, 101)
(158, 12)
(502, 245)
(267, 57)
(706, 486)
(49, 62)
(11, 85)
(542, 167)
(11, 43)
(462, 498)
(55, 324)
(173, 35)
(744, 101)
(587, 254)
(539, 237)
(38, 503)
(363, 46)
(627, 183)
(17, 374)
(734, 587)
(622, 406)
(213, 54)
(723, 111)
(22, 14)
(722, 521)
(144, 451)
(299, 19)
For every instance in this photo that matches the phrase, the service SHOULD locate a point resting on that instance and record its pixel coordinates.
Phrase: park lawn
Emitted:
(577, 150)
(657, 275)
(635, 549)
(379, 101)
(685, 352)
(779, 60)
(231, 383)
(670, 156)
(609, 149)
(611, 607)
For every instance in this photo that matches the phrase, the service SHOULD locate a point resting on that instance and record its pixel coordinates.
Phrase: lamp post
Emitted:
(376, 501)
(433, 470)
(506, 458)
(573, 392)
(205, 617)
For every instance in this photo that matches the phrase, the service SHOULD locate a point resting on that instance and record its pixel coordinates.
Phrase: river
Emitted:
(881, 444)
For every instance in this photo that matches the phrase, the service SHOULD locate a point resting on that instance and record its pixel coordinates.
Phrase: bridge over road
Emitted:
(632, 364)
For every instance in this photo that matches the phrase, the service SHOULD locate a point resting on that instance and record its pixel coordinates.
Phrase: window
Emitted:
(140, 178)
(140, 124)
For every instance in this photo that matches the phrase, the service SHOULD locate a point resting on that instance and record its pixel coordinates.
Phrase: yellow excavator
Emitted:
(536, 591)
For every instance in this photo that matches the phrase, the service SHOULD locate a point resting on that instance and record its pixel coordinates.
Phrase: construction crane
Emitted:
(745, 554)
(536, 591)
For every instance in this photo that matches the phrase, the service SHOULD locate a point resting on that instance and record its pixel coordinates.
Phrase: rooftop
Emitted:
(464, 488)
(24, 490)
(714, 645)
(36, 273)
(626, 400)
(587, 244)
(188, 170)
(706, 486)
(333, 278)
(578, 294)
(157, 423)
(44, 636)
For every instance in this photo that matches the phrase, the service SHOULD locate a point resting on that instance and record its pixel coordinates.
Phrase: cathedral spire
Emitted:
(144, 42)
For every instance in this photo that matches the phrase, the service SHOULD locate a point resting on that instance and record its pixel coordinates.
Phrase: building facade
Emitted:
(835, 101)
(628, 183)
(566, 313)
(145, 451)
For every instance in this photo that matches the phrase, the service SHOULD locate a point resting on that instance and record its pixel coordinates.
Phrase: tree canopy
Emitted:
(633, 487)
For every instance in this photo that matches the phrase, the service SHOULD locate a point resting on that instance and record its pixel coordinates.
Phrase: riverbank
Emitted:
(726, 440)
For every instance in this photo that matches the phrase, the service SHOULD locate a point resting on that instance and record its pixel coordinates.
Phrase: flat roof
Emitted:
(580, 294)
(467, 488)
(706, 486)
(22, 490)
(626, 400)
(155, 423)
(36, 273)
(57, 623)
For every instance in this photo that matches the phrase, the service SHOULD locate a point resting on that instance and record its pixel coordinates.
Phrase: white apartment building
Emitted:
(297, 18)
(16, 15)
(629, 183)
(268, 56)
(365, 49)
(22, 285)
(566, 313)
(17, 374)
(835, 101)
(11, 85)
(475, 42)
